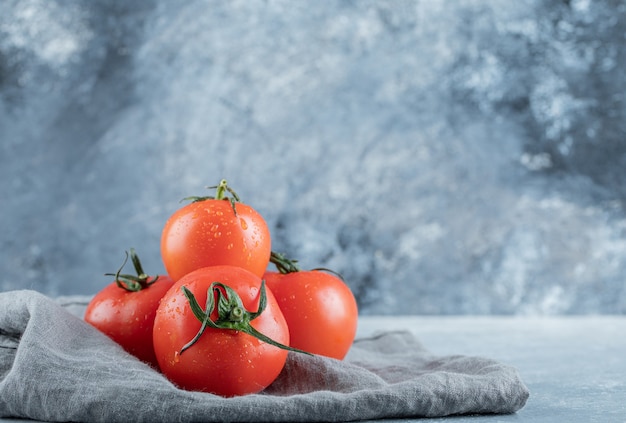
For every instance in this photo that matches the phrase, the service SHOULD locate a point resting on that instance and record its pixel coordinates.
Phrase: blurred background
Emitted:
(462, 157)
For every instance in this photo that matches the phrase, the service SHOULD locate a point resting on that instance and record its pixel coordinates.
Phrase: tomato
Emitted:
(215, 231)
(125, 309)
(217, 349)
(320, 309)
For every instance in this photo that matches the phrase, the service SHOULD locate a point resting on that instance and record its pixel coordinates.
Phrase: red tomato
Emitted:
(222, 361)
(215, 231)
(124, 310)
(320, 310)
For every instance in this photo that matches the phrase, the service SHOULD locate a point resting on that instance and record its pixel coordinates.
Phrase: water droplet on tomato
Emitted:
(176, 357)
(244, 224)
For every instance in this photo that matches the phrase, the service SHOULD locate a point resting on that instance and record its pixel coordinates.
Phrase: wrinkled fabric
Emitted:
(56, 367)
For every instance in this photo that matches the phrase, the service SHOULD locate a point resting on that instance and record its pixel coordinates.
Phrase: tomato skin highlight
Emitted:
(208, 233)
(224, 362)
(320, 310)
(127, 317)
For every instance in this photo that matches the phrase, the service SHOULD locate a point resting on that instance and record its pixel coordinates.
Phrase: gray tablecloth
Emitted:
(55, 367)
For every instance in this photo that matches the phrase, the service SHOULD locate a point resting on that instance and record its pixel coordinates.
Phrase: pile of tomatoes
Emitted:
(221, 320)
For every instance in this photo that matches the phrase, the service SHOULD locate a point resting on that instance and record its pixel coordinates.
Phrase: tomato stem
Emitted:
(283, 264)
(221, 193)
(130, 282)
(231, 314)
(325, 269)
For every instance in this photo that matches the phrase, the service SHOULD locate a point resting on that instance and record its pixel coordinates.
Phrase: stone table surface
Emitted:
(574, 367)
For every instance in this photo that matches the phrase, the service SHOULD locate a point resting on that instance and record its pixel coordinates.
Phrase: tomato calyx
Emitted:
(221, 193)
(129, 282)
(285, 265)
(231, 314)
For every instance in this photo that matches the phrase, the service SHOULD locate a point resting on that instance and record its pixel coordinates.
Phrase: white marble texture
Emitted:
(574, 366)
(459, 157)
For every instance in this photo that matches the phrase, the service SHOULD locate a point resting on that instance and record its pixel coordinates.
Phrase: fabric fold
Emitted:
(56, 367)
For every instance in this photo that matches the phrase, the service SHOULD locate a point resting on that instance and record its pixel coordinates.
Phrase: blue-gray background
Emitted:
(445, 157)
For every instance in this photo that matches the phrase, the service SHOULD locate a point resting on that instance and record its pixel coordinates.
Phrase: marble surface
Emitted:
(574, 367)
(466, 155)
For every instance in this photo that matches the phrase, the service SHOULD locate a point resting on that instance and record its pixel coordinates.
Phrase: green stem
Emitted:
(283, 264)
(231, 314)
(132, 283)
(222, 191)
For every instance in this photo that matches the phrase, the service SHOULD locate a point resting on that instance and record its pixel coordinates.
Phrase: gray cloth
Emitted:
(55, 367)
